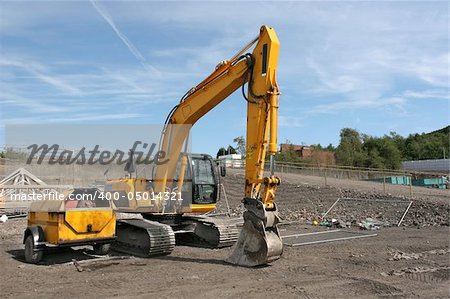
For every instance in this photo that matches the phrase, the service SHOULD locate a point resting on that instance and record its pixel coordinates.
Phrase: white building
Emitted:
(232, 161)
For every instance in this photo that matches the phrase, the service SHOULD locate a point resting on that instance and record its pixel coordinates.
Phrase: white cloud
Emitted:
(290, 121)
(125, 39)
(70, 118)
(339, 57)
(9, 98)
(90, 117)
(427, 94)
(364, 102)
(433, 70)
(41, 73)
(34, 86)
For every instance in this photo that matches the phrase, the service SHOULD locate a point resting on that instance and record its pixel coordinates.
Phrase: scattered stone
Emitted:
(306, 203)
(410, 270)
(370, 224)
(3, 218)
(399, 255)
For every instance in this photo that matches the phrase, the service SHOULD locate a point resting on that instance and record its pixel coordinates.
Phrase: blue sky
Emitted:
(373, 66)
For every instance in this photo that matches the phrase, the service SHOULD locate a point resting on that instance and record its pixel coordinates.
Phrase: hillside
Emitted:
(445, 130)
(433, 145)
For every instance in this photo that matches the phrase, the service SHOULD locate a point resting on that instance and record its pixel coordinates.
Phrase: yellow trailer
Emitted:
(81, 217)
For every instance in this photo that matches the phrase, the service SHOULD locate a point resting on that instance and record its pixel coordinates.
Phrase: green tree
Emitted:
(413, 149)
(231, 150)
(375, 160)
(383, 152)
(14, 154)
(330, 148)
(349, 151)
(317, 146)
(434, 145)
(240, 145)
(391, 153)
(222, 151)
(399, 141)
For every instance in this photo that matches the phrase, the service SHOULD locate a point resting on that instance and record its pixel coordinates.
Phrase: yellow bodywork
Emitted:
(133, 186)
(75, 226)
(67, 222)
(203, 208)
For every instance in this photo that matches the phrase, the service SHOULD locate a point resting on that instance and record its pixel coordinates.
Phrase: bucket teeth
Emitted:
(259, 242)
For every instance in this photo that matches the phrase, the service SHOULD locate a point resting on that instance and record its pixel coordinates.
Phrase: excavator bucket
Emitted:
(259, 242)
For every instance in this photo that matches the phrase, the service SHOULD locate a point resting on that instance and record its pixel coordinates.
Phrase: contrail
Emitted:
(124, 39)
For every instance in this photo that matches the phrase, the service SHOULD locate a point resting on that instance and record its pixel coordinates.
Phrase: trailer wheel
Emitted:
(32, 256)
(102, 249)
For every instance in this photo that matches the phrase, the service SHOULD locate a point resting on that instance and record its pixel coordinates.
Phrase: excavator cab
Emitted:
(204, 183)
(199, 189)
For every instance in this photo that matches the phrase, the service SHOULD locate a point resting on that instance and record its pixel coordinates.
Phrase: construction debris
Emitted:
(77, 265)
(371, 224)
(410, 270)
(369, 214)
(322, 237)
(307, 204)
(399, 255)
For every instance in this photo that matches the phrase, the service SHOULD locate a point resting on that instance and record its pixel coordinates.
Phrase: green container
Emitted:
(395, 180)
(431, 183)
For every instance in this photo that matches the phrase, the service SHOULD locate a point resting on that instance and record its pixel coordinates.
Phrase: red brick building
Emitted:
(310, 154)
(302, 150)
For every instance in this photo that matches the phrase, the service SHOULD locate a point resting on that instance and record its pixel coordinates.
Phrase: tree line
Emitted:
(362, 150)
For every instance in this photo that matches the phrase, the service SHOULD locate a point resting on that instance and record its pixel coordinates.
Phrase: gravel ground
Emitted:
(411, 261)
(306, 198)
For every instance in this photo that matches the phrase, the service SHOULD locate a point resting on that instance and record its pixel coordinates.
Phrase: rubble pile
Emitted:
(400, 255)
(307, 203)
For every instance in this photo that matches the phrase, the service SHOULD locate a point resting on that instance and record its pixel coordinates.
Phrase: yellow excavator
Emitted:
(166, 222)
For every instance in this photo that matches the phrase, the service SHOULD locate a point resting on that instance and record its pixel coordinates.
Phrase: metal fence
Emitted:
(385, 177)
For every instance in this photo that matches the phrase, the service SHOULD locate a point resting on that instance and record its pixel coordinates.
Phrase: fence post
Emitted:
(325, 175)
(410, 186)
(384, 182)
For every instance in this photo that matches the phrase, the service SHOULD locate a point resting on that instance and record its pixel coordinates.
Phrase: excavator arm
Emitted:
(259, 241)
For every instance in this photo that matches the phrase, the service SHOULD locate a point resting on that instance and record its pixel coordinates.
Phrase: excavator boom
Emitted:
(259, 241)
